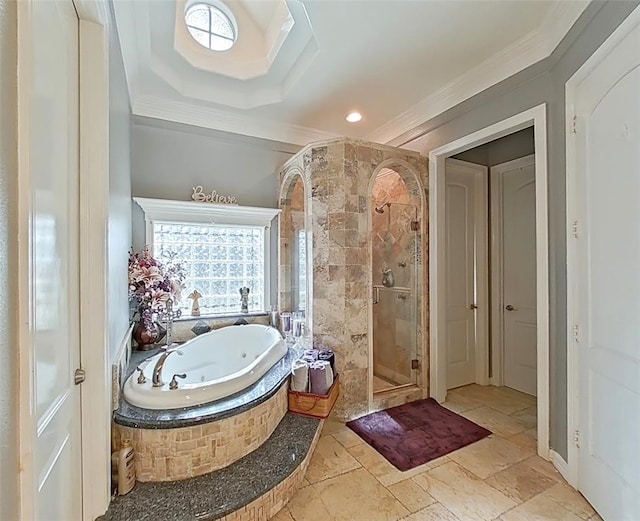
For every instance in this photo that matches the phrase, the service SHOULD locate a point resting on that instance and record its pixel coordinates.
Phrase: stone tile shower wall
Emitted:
(338, 177)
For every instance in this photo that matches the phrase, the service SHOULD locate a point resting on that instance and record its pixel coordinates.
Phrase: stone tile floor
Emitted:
(499, 478)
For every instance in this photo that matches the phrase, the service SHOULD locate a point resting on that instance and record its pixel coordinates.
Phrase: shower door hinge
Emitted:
(415, 226)
(576, 438)
(574, 124)
(415, 364)
(576, 333)
(574, 230)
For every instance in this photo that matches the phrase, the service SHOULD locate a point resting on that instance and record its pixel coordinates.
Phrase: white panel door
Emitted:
(54, 277)
(604, 274)
(465, 242)
(517, 179)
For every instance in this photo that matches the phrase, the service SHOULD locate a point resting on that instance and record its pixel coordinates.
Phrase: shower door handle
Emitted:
(376, 295)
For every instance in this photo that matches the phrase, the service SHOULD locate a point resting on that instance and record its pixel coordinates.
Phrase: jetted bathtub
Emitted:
(217, 364)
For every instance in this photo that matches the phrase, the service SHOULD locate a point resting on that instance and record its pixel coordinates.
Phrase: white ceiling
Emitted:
(299, 66)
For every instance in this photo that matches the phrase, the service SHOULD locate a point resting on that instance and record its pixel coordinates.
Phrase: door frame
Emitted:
(437, 359)
(481, 255)
(572, 119)
(497, 267)
(95, 403)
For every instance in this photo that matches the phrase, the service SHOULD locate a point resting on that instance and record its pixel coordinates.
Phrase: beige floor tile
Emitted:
(528, 417)
(464, 494)
(347, 438)
(354, 496)
(495, 421)
(595, 517)
(459, 408)
(539, 508)
(520, 482)
(570, 499)
(523, 397)
(525, 440)
(384, 471)
(283, 515)
(435, 512)
(306, 505)
(329, 459)
(545, 468)
(411, 495)
(490, 455)
(331, 427)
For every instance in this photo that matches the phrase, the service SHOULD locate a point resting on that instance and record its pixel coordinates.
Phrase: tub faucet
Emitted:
(157, 370)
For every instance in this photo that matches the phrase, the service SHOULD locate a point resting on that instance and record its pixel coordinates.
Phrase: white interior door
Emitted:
(604, 273)
(50, 63)
(517, 235)
(466, 243)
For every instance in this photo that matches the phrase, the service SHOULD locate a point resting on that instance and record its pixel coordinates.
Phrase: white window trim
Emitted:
(168, 211)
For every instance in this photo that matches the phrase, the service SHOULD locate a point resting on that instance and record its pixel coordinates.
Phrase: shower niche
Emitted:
(395, 248)
(360, 209)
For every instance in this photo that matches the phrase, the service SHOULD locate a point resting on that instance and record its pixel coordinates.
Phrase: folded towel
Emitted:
(300, 376)
(320, 377)
(329, 356)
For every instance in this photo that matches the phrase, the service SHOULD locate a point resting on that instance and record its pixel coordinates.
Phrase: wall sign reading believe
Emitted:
(214, 197)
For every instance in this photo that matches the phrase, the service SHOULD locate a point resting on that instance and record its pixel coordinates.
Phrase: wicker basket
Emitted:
(314, 405)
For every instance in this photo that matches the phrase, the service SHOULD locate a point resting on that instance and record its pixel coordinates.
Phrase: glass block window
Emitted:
(218, 260)
(210, 27)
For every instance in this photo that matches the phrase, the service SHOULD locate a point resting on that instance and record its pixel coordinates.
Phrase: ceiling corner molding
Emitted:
(560, 19)
(208, 117)
(533, 47)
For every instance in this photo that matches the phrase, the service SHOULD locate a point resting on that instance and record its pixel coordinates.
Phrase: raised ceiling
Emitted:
(299, 67)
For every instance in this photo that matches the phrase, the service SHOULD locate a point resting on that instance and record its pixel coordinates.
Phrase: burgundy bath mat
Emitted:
(414, 433)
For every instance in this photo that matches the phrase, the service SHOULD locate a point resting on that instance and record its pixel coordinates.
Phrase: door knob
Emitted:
(510, 308)
(473, 306)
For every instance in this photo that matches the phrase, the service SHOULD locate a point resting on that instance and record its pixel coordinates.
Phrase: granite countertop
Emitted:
(137, 417)
(219, 493)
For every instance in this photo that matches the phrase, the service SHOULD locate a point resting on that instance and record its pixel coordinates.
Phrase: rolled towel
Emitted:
(320, 377)
(329, 356)
(310, 353)
(300, 376)
(308, 358)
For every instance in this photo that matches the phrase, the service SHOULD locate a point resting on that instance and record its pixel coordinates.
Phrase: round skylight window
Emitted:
(210, 26)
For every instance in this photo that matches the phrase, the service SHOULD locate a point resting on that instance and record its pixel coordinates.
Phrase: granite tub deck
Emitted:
(255, 487)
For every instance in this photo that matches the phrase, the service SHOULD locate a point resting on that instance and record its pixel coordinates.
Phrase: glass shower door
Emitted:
(394, 249)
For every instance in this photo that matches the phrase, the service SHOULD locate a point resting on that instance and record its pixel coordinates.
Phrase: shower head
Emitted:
(380, 209)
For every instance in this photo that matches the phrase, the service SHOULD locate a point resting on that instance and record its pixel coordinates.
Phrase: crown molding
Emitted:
(208, 117)
(196, 212)
(528, 50)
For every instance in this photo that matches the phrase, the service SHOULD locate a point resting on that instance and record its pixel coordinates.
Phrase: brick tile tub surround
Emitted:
(186, 452)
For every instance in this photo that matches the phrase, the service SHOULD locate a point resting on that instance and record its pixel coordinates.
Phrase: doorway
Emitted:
(490, 290)
(536, 118)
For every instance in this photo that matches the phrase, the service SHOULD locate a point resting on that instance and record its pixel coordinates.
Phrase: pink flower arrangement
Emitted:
(152, 283)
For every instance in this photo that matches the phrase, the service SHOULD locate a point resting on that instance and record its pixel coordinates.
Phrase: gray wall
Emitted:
(169, 159)
(541, 83)
(514, 146)
(119, 226)
(8, 262)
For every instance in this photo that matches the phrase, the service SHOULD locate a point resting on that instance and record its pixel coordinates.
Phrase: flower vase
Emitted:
(146, 333)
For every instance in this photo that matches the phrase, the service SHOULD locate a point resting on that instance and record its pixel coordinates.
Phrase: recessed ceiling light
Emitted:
(353, 117)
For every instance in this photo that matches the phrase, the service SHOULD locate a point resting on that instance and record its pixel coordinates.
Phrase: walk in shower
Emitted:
(394, 250)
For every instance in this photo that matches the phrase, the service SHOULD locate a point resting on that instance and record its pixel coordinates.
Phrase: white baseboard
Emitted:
(560, 464)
